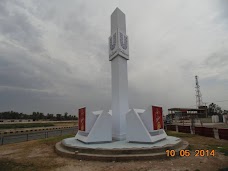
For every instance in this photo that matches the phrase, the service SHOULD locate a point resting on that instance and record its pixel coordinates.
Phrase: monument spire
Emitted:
(118, 21)
(118, 55)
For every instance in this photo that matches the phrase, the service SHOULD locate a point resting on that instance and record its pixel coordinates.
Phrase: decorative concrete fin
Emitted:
(147, 118)
(136, 130)
(102, 129)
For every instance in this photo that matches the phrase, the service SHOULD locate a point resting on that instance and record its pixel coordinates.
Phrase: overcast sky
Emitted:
(54, 54)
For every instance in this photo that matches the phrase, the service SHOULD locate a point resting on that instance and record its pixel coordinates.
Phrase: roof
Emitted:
(185, 109)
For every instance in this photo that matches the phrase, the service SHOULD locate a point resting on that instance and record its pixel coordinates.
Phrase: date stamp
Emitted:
(187, 153)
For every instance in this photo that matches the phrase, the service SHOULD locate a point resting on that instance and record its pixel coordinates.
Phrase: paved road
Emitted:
(15, 138)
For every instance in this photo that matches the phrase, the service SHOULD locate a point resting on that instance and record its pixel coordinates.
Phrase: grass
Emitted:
(40, 155)
(25, 125)
(223, 149)
(223, 169)
(213, 144)
(6, 164)
(179, 134)
(13, 165)
(190, 147)
(54, 140)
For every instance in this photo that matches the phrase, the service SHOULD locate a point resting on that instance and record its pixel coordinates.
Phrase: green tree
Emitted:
(214, 109)
(65, 115)
(58, 117)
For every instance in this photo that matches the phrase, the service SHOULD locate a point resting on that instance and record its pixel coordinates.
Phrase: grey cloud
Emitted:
(24, 100)
(54, 54)
(223, 7)
(16, 27)
(3, 10)
(218, 59)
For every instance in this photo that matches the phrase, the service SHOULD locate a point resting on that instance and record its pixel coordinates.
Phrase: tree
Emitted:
(58, 117)
(214, 109)
(35, 116)
(50, 116)
(65, 115)
(41, 115)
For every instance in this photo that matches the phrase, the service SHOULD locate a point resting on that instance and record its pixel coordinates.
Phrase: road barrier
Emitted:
(203, 131)
(171, 127)
(185, 129)
(223, 133)
(31, 130)
(37, 134)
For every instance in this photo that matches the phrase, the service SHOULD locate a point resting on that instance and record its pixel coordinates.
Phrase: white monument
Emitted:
(120, 123)
(130, 133)
(118, 55)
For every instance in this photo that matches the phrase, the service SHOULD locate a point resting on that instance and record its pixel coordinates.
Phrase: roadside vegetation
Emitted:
(11, 115)
(199, 142)
(53, 140)
(25, 125)
(39, 155)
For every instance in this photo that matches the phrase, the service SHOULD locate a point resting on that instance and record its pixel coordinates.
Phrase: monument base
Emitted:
(119, 150)
(118, 137)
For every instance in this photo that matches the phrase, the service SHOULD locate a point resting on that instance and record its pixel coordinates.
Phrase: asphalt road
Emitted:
(16, 138)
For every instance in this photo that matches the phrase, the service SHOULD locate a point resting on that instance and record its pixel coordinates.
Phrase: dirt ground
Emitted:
(40, 155)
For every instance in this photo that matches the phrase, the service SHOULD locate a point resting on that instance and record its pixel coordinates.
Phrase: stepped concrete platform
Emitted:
(119, 150)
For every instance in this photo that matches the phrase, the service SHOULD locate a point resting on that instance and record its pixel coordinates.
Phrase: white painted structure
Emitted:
(120, 123)
(118, 55)
(225, 118)
(214, 118)
(140, 127)
(98, 127)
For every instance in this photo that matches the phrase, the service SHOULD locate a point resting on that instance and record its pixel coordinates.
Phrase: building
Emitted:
(186, 113)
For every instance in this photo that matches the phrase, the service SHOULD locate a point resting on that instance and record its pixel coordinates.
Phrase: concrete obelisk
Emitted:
(118, 55)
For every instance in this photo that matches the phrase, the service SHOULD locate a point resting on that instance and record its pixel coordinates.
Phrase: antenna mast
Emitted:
(198, 93)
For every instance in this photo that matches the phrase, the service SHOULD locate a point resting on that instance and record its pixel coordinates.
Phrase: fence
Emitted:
(185, 129)
(203, 131)
(223, 133)
(171, 127)
(15, 138)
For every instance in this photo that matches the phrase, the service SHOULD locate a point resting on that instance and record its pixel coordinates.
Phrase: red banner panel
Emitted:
(81, 119)
(157, 117)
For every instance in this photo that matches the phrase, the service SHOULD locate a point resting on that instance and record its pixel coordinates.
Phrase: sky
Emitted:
(54, 54)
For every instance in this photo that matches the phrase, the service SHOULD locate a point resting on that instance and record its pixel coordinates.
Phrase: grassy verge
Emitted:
(179, 134)
(25, 125)
(6, 164)
(54, 140)
(222, 149)
(37, 164)
(223, 169)
(214, 144)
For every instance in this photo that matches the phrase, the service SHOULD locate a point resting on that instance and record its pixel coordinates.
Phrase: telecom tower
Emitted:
(198, 94)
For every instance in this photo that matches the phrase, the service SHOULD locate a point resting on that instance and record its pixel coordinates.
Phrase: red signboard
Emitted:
(157, 117)
(81, 119)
